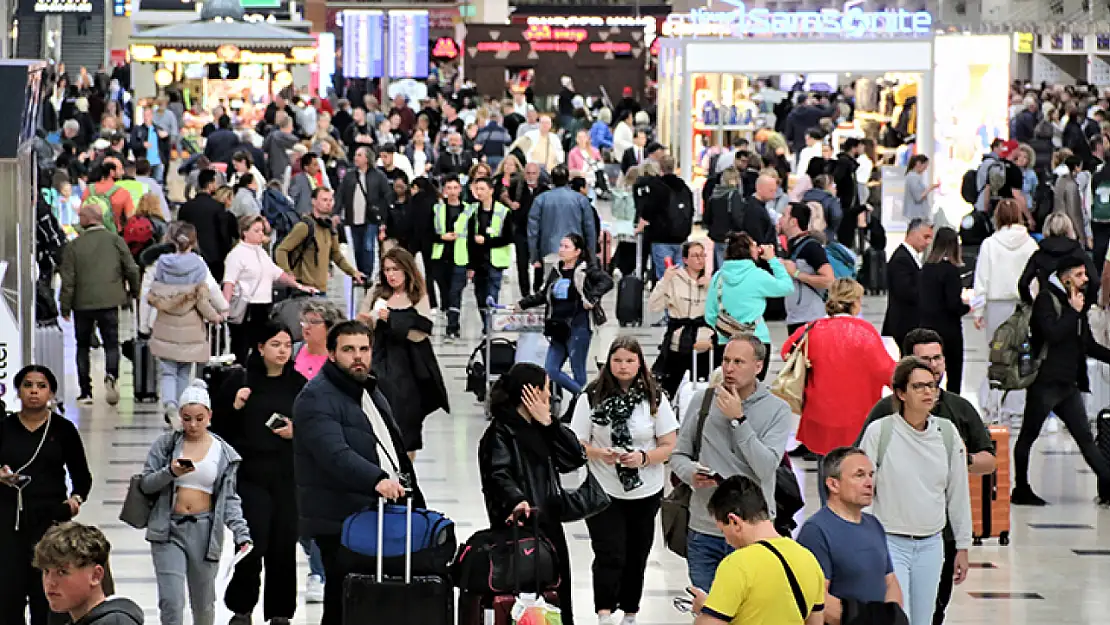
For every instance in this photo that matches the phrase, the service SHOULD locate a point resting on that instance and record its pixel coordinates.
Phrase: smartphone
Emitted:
(683, 605)
(20, 480)
(185, 462)
(668, 262)
(276, 421)
(708, 473)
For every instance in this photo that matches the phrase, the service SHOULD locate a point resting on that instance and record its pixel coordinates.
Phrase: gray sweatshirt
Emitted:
(915, 484)
(753, 449)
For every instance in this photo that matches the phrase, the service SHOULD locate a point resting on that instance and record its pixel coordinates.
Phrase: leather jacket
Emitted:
(512, 471)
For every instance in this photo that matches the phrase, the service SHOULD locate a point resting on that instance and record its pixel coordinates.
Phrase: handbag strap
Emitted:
(703, 413)
(799, 598)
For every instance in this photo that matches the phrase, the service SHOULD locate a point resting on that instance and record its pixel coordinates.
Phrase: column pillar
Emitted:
(490, 11)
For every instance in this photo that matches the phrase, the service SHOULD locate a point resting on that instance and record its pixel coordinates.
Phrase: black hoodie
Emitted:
(1042, 264)
(653, 197)
(114, 611)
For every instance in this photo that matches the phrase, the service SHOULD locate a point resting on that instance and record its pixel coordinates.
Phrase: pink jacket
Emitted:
(576, 160)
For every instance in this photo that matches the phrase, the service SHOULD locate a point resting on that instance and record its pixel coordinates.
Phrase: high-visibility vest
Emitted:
(439, 220)
(499, 257)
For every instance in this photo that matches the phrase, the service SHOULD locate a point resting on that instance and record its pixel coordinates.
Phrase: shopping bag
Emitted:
(532, 610)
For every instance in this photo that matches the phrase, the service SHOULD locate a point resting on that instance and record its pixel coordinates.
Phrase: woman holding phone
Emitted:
(37, 448)
(254, 411)
(191, 476)
(629, 430)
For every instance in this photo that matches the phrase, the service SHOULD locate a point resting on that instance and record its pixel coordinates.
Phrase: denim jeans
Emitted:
(487, 283)
(917, 565)
(577, 348)
(365, 246)
(659, 254)
(174, 379)
(315, 560)
(703, 554)
(454, 296)
(718, 256)
(85, 322)
(159, 173)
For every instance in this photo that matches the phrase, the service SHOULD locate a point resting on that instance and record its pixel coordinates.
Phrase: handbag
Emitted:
(585, 501)
(558, 330)
(500, 561)
(237, 307)
(675, 509)
(727, 325)
(790, 384)
(137, 505)
(431, 538)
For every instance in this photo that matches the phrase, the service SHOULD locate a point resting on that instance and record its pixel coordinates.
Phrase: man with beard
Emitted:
(347, 452)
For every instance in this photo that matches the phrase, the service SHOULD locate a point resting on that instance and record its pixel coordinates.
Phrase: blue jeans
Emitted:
(365, 246)
(917, 565)
(175, 378)
(659, 253)
(703, 554)
(158, 172)
(315, 560)
(718, 256)
(454, 296)
(577, 348)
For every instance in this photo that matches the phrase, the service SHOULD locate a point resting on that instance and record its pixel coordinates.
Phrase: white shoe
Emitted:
(629, 619)
(172, 417)
(608, 619)
(314, 590)
(1052, 425)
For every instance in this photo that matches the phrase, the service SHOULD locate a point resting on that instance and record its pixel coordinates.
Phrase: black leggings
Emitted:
(621, 537)
(22, 583)
(954, 362)
(245, 336)
(1066, 402)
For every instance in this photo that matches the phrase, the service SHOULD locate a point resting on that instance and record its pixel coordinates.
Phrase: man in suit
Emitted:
(903, 272)
(636, 154)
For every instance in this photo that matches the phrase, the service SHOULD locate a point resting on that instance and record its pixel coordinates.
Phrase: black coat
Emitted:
(377, 191)
(628, 159)
(903, 278)
(221, 146)
(653, 200)
(514, 471)
(1069, 340)
(1042, 264)
(421, 227)
(216, 230)
(941, 306)
(408, 373)
(335, 451)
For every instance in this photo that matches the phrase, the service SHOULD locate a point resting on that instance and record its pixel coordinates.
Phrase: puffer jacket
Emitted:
(1002, 258)
(744, 289)
(513, 472)
(178, 332)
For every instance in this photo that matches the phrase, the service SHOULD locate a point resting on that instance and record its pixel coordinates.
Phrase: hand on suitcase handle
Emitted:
(390, 489)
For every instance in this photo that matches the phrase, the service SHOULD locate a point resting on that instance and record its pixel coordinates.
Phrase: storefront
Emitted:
(540, 54)
(708, 62)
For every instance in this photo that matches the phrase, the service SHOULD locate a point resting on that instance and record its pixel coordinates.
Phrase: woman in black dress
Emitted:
(942, 301)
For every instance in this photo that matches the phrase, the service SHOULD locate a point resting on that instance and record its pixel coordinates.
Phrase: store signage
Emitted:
(63, 6)
(121, 8)
(540, 32)
(592, 20)
(224, 54)
(611, 47)
(446, 48)
(1023, 43)
(850, 21)
(498, 46)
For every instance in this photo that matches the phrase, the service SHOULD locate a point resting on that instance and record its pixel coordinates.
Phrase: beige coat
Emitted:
(178, 333)
(683, 298)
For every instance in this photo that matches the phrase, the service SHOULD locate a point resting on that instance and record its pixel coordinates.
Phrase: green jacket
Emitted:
(95, 267)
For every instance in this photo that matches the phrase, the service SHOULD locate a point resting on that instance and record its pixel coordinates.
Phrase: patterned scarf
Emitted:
(615, 412)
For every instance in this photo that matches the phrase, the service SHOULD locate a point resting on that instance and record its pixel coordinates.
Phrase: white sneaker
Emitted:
(629, 619)
(314, 589)
(1052, 425)
(608, 619)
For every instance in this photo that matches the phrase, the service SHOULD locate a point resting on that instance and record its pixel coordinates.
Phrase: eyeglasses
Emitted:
(311, 322)
(924, 386)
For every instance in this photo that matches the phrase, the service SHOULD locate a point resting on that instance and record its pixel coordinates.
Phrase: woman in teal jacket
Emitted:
(742, 287)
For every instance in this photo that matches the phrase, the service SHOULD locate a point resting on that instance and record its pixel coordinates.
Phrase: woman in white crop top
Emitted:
(190, 475)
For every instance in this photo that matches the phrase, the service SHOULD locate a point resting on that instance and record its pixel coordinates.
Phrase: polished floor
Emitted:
(1055, 570)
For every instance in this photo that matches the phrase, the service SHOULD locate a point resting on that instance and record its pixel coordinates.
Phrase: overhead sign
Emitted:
(539, 32)
(851, 22)
(514, 44)
(1023, 43)
(363, 44)
(63, 6)
(446, 48)
(408, 44)
(223, 54)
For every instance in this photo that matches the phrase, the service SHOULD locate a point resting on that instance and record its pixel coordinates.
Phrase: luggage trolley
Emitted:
(529, 347)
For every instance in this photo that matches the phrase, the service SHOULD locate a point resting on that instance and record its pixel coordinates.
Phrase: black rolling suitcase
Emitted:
(1102, 438)
(630, 292)
(382, 600)
(873, 273)
(144, 367)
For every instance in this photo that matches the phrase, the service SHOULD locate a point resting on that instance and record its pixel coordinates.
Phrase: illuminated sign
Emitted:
(611, 47)
(540, 32)
(592, 20)
(445, 48)
(498, 46)
(1023, 43)
(408, 44)
(121, 8)
(63, 6)
(851, 21)
(223, 54)
(363, 44)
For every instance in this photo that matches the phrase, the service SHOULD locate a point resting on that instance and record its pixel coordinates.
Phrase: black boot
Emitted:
(1023, 495)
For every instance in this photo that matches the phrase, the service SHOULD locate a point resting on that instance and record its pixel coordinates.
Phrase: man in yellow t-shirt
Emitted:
(769, 579)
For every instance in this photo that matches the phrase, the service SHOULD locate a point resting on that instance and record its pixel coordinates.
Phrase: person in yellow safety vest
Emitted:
(489, 245)
(444, 269)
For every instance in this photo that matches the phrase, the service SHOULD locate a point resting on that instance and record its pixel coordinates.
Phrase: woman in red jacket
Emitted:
(849, 366)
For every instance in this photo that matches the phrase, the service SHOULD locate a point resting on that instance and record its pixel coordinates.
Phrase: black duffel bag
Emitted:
(499, 561)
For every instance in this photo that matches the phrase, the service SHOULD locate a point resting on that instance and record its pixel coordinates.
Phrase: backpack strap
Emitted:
(799, 596)
(886, 429)
(703, 413)
(948, 434)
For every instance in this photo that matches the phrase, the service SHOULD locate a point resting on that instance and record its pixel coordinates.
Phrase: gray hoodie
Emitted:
(113, 611)
(753, 449)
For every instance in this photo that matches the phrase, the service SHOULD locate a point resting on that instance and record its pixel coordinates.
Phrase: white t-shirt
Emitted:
(645, 430)
(248, 264)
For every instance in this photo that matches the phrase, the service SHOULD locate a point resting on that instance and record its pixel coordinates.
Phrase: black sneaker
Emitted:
(1024, 496)
(85, 399)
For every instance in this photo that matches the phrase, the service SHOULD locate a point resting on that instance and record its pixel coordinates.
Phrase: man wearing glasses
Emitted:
(928, 346)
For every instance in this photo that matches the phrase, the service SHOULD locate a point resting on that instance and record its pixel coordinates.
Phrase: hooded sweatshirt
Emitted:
(753, 448)
(113, 611)
(1002, 258)
(181, 294)
(1042, 264)
(743, 288)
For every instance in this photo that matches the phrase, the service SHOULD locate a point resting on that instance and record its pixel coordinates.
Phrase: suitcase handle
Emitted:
(517, 583)
(408, 537)
(694, 362)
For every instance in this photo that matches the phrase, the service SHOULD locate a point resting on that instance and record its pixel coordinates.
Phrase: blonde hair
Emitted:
(1059, 225)
(149, 206)
(224, 194)
(730, 177)
(1059, 156)
(843, 293)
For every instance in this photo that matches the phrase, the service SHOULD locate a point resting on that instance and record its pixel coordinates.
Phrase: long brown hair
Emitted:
(414, 280)
(606, 384)
(946, 247)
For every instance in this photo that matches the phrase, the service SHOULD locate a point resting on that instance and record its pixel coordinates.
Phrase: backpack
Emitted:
(842, 259)
(975, 227)
(279, 211)
(138, 233)
(817, 222)
(1012, 363)
(297, 254)
(1100, 200)
(1044, 199)
(886, 429)
(679, 214)
(104, 201)
(969, 186)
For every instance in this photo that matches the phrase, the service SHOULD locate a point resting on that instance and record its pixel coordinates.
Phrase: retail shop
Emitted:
(913, 89)
(538, 55)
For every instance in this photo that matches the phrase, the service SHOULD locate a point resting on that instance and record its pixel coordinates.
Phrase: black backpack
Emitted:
(975, 227)
(1044, 198)
(969, 186)
(680, 213)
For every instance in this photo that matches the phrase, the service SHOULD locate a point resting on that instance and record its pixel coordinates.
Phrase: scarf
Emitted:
(384, 437)
(615, 411)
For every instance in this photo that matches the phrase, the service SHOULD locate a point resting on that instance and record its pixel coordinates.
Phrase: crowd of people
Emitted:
(417, 200)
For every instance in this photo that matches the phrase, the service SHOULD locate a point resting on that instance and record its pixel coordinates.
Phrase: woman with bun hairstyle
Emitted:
(182, 295)
(191, 477)
(38, 447)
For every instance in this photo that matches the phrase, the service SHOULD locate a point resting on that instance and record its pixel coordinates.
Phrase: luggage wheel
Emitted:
(977, 541)
(1004, 538)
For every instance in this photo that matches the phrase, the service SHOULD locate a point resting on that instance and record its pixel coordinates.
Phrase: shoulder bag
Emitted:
(726, 323)
(676, 505)
(795, 588)
(585, 501)
(790, 385)
(137, 505)
(237, 307)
